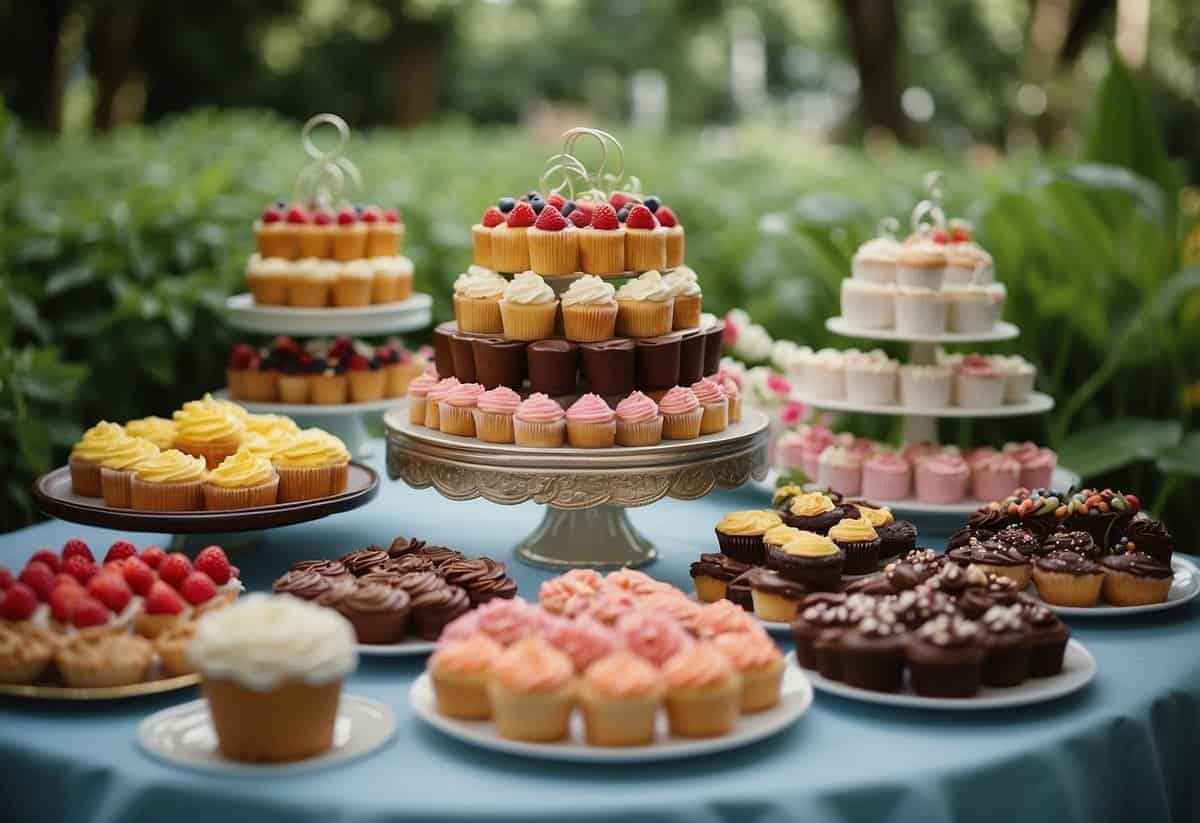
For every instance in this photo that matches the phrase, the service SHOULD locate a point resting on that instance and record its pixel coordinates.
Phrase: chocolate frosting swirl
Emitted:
(361, 561)
(992, 554)
(432, 610)
(501, 588)
(384, 577)
(1137, 563)
(1151, 537)
(1067, 562)
(963, 536)
(988, 518)
(305, 584)
(325, 568)
(418, 583)
(875, 584)
(1079, 542)
(374, 597)
(765, 580)
(406, 563)
(441, 554)
(718, 566)
(405, 545)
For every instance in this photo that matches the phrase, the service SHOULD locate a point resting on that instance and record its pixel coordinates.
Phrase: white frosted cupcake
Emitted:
(975, 308)
(1019, 377)
(920, 310)
(968, 263)
(875, 260)
(352, 282)
(825, 374)
(925, 387)
(310, 282)
(867, 304)
(978, 384)
(477, 293)
(840, 469)
(922, 264)
(393, 279)
(267, 278)
(528, 308)
(872, 378)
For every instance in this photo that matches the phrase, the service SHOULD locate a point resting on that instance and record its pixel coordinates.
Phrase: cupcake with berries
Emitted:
(315, 238)
(645, 240)
(528, 308)
(87, 454)
(366, 379)
(553, 242)
(385, 232)
(481, 236)
(602, 243)
(510, 241)
(349, 236)
(675, 240)
(272, 235)
(314, 464)
(242, 481)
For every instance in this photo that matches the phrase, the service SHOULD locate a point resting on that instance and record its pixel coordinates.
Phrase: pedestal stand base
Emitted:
(597, 538)
(190, 544)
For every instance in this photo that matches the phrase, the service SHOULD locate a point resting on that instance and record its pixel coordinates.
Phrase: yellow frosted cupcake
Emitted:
(158, 430)
(116, 469)
(269, 444)
(267, 423)
(87, 454)
(209, 428)
(314, 464)
(171, 481)
(242, 481)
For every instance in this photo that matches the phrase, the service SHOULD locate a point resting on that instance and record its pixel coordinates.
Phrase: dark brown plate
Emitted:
(53, 494)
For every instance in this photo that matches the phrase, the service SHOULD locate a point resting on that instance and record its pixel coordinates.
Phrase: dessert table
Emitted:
(1121, 749)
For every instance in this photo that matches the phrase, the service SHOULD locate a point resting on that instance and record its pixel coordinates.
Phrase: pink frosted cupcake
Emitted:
(724, 617)
(914, 453)
(681, 414)
(979, 454)
(632, 581)
(584, 640)
(433, 401)
(886, 476)
(942, 478)
(638, 421)
(505, 621)
(840, 469)
(715, 405)
(418, 389)
(655, 637)
(591, 424)
(733, 393)
(994, 476)
(610, 604)
(494, 415)
(539, 421)
(1037, 464)
(556, 593)
(456, 414)
(978, 384)
(789, 451)
(813, 441)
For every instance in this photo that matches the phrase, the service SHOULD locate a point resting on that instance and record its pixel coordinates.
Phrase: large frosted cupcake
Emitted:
(639, 422)
(314, 464)
(477, 293)
(589, 310)
(539, 421)
(532, 692)
(591, 423)
(620, 695)
(87, 454)
(684, 289)
(644, 307)
(168, 482)
(528, 308)
(242, 481)
(272, 669)
(208, 428)
(117, 468)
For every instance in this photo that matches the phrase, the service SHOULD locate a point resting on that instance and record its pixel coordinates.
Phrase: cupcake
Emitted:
(459, 672)
(619, 696)
(992, 558)
(314, 464)
(172, 648)
(272, 669)
(875, 260)
(896, 537)
(1135, 579)
(242, 481)
(942, 479)
(591, 424)
(602, 243)
(589, 310)
(352, 283)
(418, 390)
(510, 244)
(272, 235)
(539, 422)
(926, 387)
(978, 384)
(945, 658)
(1148, 536)
(638, 421)
(811, 512)
(528, 308)
(118, 466)
(868, 305)
(810, 559)
(920, 310)
(433, 401)
(207, 428)
(681, 413)
(1037, 464)
(712, 573)
(377, 611)
(310, 282)
(553, 243)
(266, 423)
(1020, 375)
(385, 232)
(393, 279)
(975, 309)
(872, 653)
(886, 476)
(96, 443)
(860, 544)
(24, 655)
(1008, 646)
(349, 236)
(103, 660)
(1064, 578)
(267, 279)
(481, 237)
(760, 666)
(871, 378)
(703, 696)
(675, 235)
(169, 481)
(477, 293)
(840, 469)
(494, 410)
(740, 534)
(733, 394)
(967, 263)
(532, 691)
(714, 404)
(1049, 636)
(921, 264)
(1064, 541)
(645, 241)
(644, 306)
(994, 477)
(366, 381)
(456, 413)
(684, 290)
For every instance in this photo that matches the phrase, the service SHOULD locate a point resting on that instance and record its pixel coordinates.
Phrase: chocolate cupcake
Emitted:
(656, 362)
(993, 559)
(859, 543)
(553, 367)
(305, 584)
(896, 538)
(714, 336)
(776, 536)
(945, 658)
(1049, 636)
(974, 602)
(872, 653)
(813, 512)
(1135, 579)
(418, 583)
(464, 356)
(433, 610)
(827, 649)
(1065, 578)
(443, 360)
(738, 591)
(440, 555)
(482, 578)
(811, 559)
(608, 367)
(494, 588)
(954, 580)
(361, 561)
(1103, 514)
(876, 585)
(382, 576)
(916, 607)
(1008, 646)
(1066, 541)
(1149, 537)
(776, 599)
(1018, 539)
(379, 613)
(783, 496)
(326, 568)
(405, 563)
(498, 362)
(713, 573)
(740, 534)
(405, 545)
(691, 356)
(989, 518)
(963, 536)
(1038, 511)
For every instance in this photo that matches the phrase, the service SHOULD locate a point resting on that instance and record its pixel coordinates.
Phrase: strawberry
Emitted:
(323, 217)
(522, 216)
(492, 217)
(939, 236)
(640, 217)
(74, 547)
(620, 198)
(346, 217)
(63, 601)
(18, 603)
(48, 557)
(138, 575)
(556, 200)
(119, 551)
(162, 599)
(371, 214)
(39, 577)
(271, 214)
(391, 216)
(152, 556)
(604, 217)
(174, 568)
(212, 561)
(80, 567)
(579, 218)
(89, 612)
(64, 579)
(197, 588)
(550, 219)
(6, 578)
(666, 217)
(110, 589)
(297, 214)
(359, 363)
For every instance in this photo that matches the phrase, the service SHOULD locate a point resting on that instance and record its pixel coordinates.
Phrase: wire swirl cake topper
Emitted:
(571, 172)
(323, 178)
(928, 214)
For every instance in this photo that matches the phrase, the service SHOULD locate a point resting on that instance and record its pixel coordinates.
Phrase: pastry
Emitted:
(378, 613)
(1020, 376)
(811, 512)
(554, 366)
(1078, 542)
(103, 660)
(591, 423)
(684, 290)
(619, 696)
(760, 666)
(1040, 512)
(494, 412)
(477, 294)
(510, 244)
(24, 656)
(532, 690)
(393, 281)
(418, 391)
(1064, 578)
(314, 464)
(921, 310)
(366, 381)
(607, 367)
(310, 282)
(1148, 536)
(1135, 579)
(655, 637)
(553, 243)
(712, 574)
(242, 481)
(434, 399)
(638, 421)
(945, 658)
(682, 414)
(811, 559)
(714, 405)
(481, 236)
(206, 428)
(994, 559)
(328, 384)
(644, 306)
(462, 352)
(1037, 464)
(498, 361)
(172, 648)
(994, 476)
(859, 543)
(739, 592)
(657, 361)
(456, 413)
(171, 481)
(589, 310)
(1008, 646)
(703, 696)
(459, 672)
(528, 308)
(602, 243)
(385, 232)
(872, 652)
(966, 262)
(349, 240)
(1049, 636)
(740, 534)
(1101, 513)
(871, 380)
(540, 422)
(896, 537)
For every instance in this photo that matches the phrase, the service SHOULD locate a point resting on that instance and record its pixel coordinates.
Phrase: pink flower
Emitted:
(731, 332)
(779, 384)
(793, 413)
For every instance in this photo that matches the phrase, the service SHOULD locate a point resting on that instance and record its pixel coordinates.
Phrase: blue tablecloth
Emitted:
(1123, 749)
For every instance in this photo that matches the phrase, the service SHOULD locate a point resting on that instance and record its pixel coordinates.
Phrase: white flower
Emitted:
(738, 318)
(753, 344)
(761, 394)
(734, 368)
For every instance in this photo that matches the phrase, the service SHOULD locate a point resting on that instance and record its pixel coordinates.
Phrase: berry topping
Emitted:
(341, 345)
(578, 217)
(213, 562)
(64, 599)
(6, 578)
(522, 216)
(505, 204)
(960, 233)
(620, 198)
(586, 207)
(79, 567)
(532, 195)
(18, 603)
(550, 219)
(346, 217)
(138, 575)
(371, 214)
(939, 236)
(119, 551)
(323, 217)
(391, 215)
(604, 217)
(666, 217)
(537, 206)
(623, 214)
(49, 558)
(174, 568)
(110, 589)
(1135, 505)
(492, 217)
(89, 612)
(74, 547)
(197, 588)
(568, 207)
(285, 345)
(162, 599)
(272, 214)
(652, 203)
(556, 200)
(152, 556)
(64, 579)
(241, 356)
(281, 205)
(39, 577)
(640, 218)
(359, 363)
(297, 214)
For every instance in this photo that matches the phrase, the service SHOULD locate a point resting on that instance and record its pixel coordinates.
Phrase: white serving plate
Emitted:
(1000, 331)
(1079, 667)
(184, 736)
(795, 700)
(1036, 403)
(409, 648)
(316, 410)
(1184, 589)
(242, 313)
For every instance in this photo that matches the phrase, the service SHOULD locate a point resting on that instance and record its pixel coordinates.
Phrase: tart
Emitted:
(24, 656)
(98, 660)
(172, 647)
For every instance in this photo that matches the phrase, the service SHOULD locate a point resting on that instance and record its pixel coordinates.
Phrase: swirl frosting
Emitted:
(539, 408)
(441, 389)
(267, 445)
(97, 440)
(637, 408)
(708, 392)
(624, 676)
(811, 504)
(810, 544)
(655, 637)
(475, 654)
(630, 580)
(786, 493)
(697, 666)
(748, 651)
(422, 384)
(158, 430)
(682, 282)
(478, 283)
(500, 400)
(853, 530)
(649, 286)
(778, 535)
(723, 617)
(588, 290)
(678, 401)
(532, 665)
(879, 250)
(590, 408)
(609, 604)
(557, 592)
(262, 641)
(207, 421)
(464, 395)
(264, 424)
(312, 447)
(127, 453)
(242, 470)
(750, 522)
(876, 517)
(528, 288)
(584, 640)
(171, 466)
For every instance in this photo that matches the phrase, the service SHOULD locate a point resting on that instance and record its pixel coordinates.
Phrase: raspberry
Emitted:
(522, 216)
(38, 576)
(197, 588)
(579, 218)
(152, 556)
(359, 363)
(63, 601)
(346, 217)
(323, 217)
(138, 575)
(6, 578)
(391, 215)
(174, 568)
(492, 217)
(213, 562)
(666, 217)
(74, 547)
(18, 603)
(297, 214)
(371, 214)
(162, 599)
(551, 219)
(80, 567)
(556, 200)
(241, 356)
(119, 551)
(640, 217)
(89, 612)
(48, 557)
(111, 590)
(604, 217)
(271, 215)
(939, 236)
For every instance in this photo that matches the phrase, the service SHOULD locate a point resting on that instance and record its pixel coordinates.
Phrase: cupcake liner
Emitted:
(973, 316)
(542, 435)
(308, 293)
(926, 277)
(213, 452)
(644, 318)
(481, 246)
(709, 589)
(1125, 589)
(602, 252)
(432, 414)
(711, 711)
(1062, 589)
(219, 497)
(589, 323)
(553, 252)
(384, 239)
(311, 482)
(868, 309)
(715, 418)
(979, 392)
(294, 388)
(645, 249)
(235, 381)
(478, 315)
(314, 241)
(616, 721)
(461, 696)
(675, 247)
(260, 386)
(85, 478)
(591, 435)
(873, 271)
(510, 250)
(366, 386)
(351, 291)
(329, 389)
(493, 427)
(391, 288)
(290, 722)
(686, 314)
(735, 409)
(862, 557)
(275, 243)
(349, 242)
(761, 687)
(533, 321)
(115, 487)
(535, 717)
(416, 410)
(167, 497)
(25, 667)
(921, 314)
(458, 420)
(682, 426)
(642, 433)
(269, 290)
(744, 548)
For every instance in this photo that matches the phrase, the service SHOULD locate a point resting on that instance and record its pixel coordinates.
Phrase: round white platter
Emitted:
(795, 700)
(1036, 403)
(318, 410)
(1079, 667)
(409, 648)
(1000, 331)
(184, 736)
(1184, 589)
(242, 313)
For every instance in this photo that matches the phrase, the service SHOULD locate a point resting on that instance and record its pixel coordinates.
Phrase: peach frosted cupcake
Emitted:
(169, 481)
(715, 405)
(158, 430)
(532, 692)
(433, 401)
(459, 672)
(682, 414)
(620, 695)
(208, 428)
(758, 661)
(539, 421)
(494, 412)
(638, 421)
(591, 423)
(589, 310)
(477, 293)
(242, 481)
(481, 237)
(117, 468)
(418, 391)
(510, 243)
(314, 464)
(87, 454)
(456, 415)
(644, 307)
(704, 692)
(645, 240)
(602, 243)
(528, 309)
(685, 291)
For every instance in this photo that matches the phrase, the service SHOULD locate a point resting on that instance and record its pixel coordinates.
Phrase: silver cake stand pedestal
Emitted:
(585, 491)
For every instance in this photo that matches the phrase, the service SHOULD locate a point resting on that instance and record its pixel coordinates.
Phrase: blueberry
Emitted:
(281, 204)
(506, 204)
(537, 206)
(533, 195)
(568, 207)
(651, 203)
(358, 211)
(289, 367)
(318, 365)
(623, 213)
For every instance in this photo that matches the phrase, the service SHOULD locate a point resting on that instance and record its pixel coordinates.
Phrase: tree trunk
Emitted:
(110, 42)
(874, 29)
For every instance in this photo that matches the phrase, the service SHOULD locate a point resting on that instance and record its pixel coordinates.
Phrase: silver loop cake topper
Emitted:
(888, 227)
(601, 183)
(930, 208)
(569, 167)
(322, 179)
